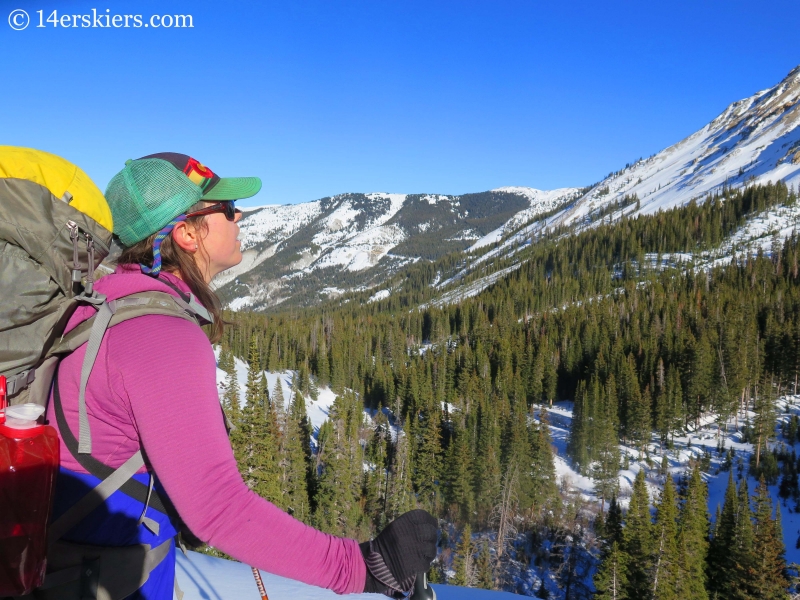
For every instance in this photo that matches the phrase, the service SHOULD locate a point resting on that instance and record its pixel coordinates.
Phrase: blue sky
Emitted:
(319, 98)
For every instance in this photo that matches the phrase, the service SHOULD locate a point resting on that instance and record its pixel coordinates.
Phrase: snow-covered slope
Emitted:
(203, 577)
(541, 202)
(754, 140)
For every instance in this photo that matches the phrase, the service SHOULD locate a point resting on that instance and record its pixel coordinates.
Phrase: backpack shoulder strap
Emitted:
(130, 307)
(92, 331)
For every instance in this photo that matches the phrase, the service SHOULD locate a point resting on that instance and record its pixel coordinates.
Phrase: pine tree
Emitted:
(463, 564)
(339, 484)
(720, 567)
(666, 573)
(459, 476)
(611, 580)
(256, 440)
(693, 539)
(769, 580)
(484, 570)
(401, 497)
(638, 540)
(297, 459)
(742, 557)
(427, 460)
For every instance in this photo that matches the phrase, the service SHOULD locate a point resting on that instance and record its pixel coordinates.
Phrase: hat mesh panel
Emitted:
(160, 193)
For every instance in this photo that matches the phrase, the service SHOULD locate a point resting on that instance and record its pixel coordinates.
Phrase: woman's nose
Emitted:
(237, 217)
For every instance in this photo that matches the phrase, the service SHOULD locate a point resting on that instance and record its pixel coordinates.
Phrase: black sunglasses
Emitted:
(228, 207)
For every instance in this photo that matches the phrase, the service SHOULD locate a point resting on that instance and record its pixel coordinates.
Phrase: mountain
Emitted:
(316, 250)
(754, 140)
(306, 253)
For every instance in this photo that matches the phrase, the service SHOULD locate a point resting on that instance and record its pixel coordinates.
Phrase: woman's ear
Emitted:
(185, 236)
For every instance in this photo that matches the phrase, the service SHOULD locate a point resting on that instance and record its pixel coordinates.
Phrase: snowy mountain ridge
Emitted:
(365, 238)
(319, 250)
(752, 141)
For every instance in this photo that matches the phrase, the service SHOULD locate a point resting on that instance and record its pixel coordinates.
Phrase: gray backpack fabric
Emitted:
(50, 244)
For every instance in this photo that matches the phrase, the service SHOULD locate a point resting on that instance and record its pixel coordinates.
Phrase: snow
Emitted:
(276, 222)
(560, 420)
(379, 295)
(687, 447)
(472, 289)
(318, 410)
(240, 303)
(358, 249)
(203, 577)
(251, 258)
(540, 201)
(362, 250)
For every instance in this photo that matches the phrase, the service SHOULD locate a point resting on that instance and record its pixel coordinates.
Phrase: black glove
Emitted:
(406, 547)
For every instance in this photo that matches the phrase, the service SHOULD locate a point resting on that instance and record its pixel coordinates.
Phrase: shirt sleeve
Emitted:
(168, 371)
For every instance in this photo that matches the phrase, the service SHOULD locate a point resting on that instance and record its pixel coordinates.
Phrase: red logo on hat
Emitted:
(197, 172)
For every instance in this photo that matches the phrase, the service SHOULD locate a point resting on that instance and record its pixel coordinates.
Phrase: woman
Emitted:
(153, 387)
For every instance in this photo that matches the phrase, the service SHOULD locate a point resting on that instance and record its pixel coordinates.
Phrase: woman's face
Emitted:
(220, 248)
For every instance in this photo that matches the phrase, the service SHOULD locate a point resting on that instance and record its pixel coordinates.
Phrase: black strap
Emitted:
(180, 292)
(133, 488)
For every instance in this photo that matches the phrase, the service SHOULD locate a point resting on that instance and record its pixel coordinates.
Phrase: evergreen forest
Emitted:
(633, 320)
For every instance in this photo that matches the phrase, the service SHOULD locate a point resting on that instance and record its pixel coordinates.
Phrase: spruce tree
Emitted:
(605, 471)
(720, 566)
(339, 485)
(256, 442)
(463, 563)
(765, 415)
(484, 572)
(611, 579)
(277, 398)
(638, 540)
(377, 476)
(693, 539)
(428, 459)
(487, 468)
(769, 580)
(459, 477)
(541, 469)
(613, 523)
(742, 557)
(401, 496)
(666, 572)
(297, 460)
(231, 398)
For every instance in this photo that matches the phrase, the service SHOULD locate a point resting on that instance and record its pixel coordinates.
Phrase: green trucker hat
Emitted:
(151, 191)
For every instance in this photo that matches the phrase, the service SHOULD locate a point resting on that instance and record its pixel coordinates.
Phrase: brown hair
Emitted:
(175, 259)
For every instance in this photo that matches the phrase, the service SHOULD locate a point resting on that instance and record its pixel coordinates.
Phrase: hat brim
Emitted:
(234, 188)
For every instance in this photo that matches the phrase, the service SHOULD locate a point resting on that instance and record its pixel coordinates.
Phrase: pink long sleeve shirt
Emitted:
(154, 385)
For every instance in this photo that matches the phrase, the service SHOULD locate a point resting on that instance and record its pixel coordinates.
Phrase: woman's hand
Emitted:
(406, 547)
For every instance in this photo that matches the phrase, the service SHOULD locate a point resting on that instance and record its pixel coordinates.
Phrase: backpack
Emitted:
(55, 229)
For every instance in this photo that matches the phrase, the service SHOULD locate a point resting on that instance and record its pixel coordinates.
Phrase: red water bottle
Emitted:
(29, 455)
